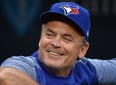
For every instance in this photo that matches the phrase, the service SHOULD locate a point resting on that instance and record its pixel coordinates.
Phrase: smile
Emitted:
(54, 53)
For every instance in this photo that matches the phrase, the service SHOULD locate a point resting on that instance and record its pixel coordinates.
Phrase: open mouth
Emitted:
(55, 53)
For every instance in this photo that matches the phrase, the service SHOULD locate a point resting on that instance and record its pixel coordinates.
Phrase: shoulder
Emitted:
(84, 63)
(84, 69)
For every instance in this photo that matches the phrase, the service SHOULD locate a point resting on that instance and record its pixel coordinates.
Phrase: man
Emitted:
(60, 59)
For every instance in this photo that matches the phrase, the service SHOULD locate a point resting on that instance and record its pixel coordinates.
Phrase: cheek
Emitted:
(43, 41)
(42, 45)
(72, 55)
(73, 51)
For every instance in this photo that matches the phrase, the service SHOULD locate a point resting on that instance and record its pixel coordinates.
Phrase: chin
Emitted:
(53, 64)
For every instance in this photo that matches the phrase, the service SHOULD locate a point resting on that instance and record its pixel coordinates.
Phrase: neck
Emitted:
(58, 71)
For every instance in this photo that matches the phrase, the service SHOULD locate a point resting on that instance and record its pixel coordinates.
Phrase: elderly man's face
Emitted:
(60, 45)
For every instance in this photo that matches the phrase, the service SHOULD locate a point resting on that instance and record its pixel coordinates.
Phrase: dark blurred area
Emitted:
(20, 26)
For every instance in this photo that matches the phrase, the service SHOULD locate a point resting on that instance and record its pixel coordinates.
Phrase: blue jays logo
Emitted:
(70, 9)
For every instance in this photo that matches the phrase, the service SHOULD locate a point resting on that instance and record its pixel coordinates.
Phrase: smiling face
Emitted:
(60, 45)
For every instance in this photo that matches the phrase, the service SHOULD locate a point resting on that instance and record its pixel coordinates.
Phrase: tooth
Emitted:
(53, 53)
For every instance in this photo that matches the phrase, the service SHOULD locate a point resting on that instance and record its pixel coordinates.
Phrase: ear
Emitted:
(83, 50)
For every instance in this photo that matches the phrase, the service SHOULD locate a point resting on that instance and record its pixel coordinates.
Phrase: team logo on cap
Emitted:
(70, 9)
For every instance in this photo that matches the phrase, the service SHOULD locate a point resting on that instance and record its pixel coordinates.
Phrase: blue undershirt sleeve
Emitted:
(106, 71)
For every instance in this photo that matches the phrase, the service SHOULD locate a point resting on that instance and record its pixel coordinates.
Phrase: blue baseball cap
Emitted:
(69, 12)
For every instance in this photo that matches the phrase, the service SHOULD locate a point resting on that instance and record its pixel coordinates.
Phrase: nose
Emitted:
(56, 43)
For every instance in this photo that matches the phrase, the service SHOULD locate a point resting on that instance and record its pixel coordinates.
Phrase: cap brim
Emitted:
(51, 16)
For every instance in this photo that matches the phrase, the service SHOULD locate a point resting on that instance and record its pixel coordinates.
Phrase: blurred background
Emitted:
(20, 26)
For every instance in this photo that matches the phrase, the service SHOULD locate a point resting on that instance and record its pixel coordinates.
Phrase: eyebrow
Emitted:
(67, 35)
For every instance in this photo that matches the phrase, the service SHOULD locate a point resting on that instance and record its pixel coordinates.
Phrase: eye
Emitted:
(67, 39)
(49, 34)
